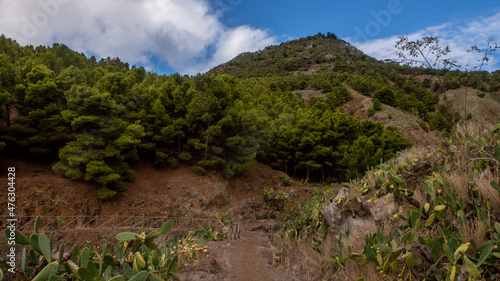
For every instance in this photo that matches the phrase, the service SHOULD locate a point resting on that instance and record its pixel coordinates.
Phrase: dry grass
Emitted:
(474, 128)
(459, 183)
(473, 230)
(420, 196)
(302, 260)
(482, 183)
(422, 153)
(484, 109)
(307, 264)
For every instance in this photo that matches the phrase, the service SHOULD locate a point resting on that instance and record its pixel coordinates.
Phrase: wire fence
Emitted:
(58, 223)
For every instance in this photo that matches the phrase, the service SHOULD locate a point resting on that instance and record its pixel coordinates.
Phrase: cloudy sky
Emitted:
(192, 36)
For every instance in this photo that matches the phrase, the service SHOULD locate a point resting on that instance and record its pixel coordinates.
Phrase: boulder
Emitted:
(333, 212)
(333, 215)
(379, 209)
(382, 210)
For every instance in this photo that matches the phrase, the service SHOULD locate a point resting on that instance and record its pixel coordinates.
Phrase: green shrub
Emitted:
(386, 95)
(173, 162)
(286, 180)
(185, 156)
(451, 84)
(376, 104)
(389, 116)
(439, 122)
(199, 170)
(457, 117)
(161, 159)
(427, 82)
(370, 112)
(436, 87)
(424, 126)
(105, 194)
(469, 116)
(480, 94)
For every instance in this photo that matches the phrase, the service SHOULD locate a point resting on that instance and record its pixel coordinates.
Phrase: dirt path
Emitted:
(249, 259)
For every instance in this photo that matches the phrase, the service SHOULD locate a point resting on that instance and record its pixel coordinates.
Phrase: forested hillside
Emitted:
(95, 118)
(92, 119)
(322, 61)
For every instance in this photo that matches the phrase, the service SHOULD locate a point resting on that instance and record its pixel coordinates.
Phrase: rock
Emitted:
(343, 193)
(333, 212)
(333, 215)
(381, 209)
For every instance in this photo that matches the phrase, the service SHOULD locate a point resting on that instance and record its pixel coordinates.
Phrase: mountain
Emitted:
(293, 57)
(311, 66)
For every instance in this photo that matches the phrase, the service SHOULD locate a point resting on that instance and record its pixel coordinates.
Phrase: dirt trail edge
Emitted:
(249, 259)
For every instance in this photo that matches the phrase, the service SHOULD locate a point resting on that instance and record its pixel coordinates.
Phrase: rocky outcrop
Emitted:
(380, 209)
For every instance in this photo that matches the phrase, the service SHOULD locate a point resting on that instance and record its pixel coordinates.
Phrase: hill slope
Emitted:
(293, 56)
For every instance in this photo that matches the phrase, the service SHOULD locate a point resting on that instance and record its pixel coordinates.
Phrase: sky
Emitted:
(193, 36)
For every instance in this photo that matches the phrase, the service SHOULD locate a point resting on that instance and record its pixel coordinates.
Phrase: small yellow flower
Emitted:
(205, 250)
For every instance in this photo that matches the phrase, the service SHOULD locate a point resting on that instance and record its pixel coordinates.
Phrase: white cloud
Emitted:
(233, 42)
(186, 34)
(459, 35)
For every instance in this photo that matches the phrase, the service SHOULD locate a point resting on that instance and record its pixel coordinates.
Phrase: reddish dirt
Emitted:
(249, 259)
(154, 192)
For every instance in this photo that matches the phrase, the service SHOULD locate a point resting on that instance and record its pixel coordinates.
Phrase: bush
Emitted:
(427, 82)
(105, 194)
(286, 180)
(469, 116)
(439, 122)
(436, 87)
(199, 170)
(370, 112)
(185, 156)
(161, 159)
(377, 105)
(424, 126)
(480, 94)
(172, 162)
(457, 117)
(386, 95)
(451, 84)
(389, 116)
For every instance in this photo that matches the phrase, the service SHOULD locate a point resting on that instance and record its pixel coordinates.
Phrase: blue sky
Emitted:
(192, 36)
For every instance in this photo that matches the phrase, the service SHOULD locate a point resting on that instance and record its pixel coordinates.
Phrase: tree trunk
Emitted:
(206, 147)
(323, 173)
(8, 114)
(179, 139)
